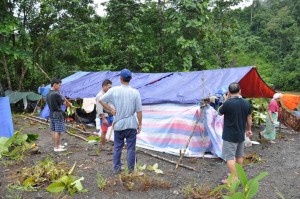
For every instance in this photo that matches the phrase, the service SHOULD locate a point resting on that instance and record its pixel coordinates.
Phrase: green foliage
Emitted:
(259, 108)
(249, 187)
(101, 182)
(15, 147)
(62, 37)
(155, 169)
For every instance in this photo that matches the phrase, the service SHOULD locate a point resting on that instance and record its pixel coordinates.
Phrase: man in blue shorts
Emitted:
(128, 118)
(237, 121)
(106, 117)
(57, 125)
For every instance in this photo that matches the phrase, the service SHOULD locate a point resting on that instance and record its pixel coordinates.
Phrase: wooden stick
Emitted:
(36, 105)
(188, 142)
(167, 160)
(69, 126)
(43, 71)
(36, 120)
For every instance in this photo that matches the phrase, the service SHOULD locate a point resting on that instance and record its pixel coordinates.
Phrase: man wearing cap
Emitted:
(128, 118)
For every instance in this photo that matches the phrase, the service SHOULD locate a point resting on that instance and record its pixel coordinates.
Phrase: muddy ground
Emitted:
(280, 160)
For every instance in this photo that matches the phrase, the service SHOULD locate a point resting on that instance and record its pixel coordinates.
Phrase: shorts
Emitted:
(110, 120)
(231, 150)
(57, 125)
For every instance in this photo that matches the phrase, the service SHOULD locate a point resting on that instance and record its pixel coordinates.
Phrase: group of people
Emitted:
(121, 107)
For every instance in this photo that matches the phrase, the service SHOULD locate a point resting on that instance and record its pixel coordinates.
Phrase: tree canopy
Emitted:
(52, 38)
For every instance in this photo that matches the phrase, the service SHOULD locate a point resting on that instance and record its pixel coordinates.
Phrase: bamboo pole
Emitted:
(188, 142)
(167, 160)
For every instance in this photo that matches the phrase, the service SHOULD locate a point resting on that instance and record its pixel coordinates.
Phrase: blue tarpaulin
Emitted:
(173, 87)
(65, 80)
(6, 123)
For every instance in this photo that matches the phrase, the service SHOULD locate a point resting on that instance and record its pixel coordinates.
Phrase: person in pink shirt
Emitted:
(272, 119)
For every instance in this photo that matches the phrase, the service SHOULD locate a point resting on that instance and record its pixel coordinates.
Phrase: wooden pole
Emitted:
(167, 160)
(188, 142)
(37, 105)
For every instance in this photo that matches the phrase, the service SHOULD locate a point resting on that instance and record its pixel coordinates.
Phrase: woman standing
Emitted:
(272, 119)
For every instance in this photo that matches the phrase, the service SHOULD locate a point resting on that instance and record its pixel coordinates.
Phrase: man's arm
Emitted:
(107, 107)
(248, 125)
(139, 117)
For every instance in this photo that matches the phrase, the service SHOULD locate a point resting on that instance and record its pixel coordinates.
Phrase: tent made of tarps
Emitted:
(16, 96)
(170, 104)
(291, 101)
(65, 80)
(174, 87)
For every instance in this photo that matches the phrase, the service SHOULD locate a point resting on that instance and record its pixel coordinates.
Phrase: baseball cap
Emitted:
(125, 73)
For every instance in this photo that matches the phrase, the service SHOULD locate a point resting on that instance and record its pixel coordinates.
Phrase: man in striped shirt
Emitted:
(128, 118)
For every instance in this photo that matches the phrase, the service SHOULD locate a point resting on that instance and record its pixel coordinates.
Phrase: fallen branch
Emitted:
(46, 123)
(167, 160)
(69, 126)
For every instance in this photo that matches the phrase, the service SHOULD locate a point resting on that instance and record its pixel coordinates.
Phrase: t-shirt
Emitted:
(54, 100)
(99, 108)
(127, 101)
(235, 111)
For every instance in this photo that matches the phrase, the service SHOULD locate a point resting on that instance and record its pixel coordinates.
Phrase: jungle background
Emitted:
(58, 38)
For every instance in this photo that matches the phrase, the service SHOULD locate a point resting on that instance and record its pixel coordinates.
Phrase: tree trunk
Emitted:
(2, 94)
(24, 70)
(161, 4)
(4, 62)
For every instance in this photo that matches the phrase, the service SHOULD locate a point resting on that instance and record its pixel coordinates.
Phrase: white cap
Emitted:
(277, 95)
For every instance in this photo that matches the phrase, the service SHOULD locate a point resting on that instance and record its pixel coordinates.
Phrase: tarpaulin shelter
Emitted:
(170, 104)
(6, 123)
(16, 96)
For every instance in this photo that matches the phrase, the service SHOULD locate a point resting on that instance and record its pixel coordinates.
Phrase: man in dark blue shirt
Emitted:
(237, 122)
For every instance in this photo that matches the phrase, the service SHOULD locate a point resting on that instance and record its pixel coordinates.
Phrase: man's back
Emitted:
(127, 102)
(236, 111)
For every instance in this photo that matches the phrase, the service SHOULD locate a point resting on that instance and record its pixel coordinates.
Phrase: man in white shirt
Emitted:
(106, 117)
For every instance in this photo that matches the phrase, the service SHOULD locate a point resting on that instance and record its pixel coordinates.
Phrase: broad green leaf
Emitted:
(20, 139)
(142, 168)
(32, 137)
(3, 140)
(252, 189)
(241, 174)
(63, 179)
(158, 171)
(261, 176)
(77, 184)
(155, 166)
(234, 186)
(219, 188)
(56, 187)
(28, 182)
(150, 168)
(237, 195)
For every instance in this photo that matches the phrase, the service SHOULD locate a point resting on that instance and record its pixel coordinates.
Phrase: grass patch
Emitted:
(192, 191)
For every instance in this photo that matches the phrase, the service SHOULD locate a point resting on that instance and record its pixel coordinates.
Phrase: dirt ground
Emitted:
(280, 160)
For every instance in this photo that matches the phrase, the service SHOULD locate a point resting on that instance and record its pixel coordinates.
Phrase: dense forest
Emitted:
(41, 39)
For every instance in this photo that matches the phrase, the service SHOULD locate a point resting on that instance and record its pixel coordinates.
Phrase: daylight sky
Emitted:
(100, 9)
